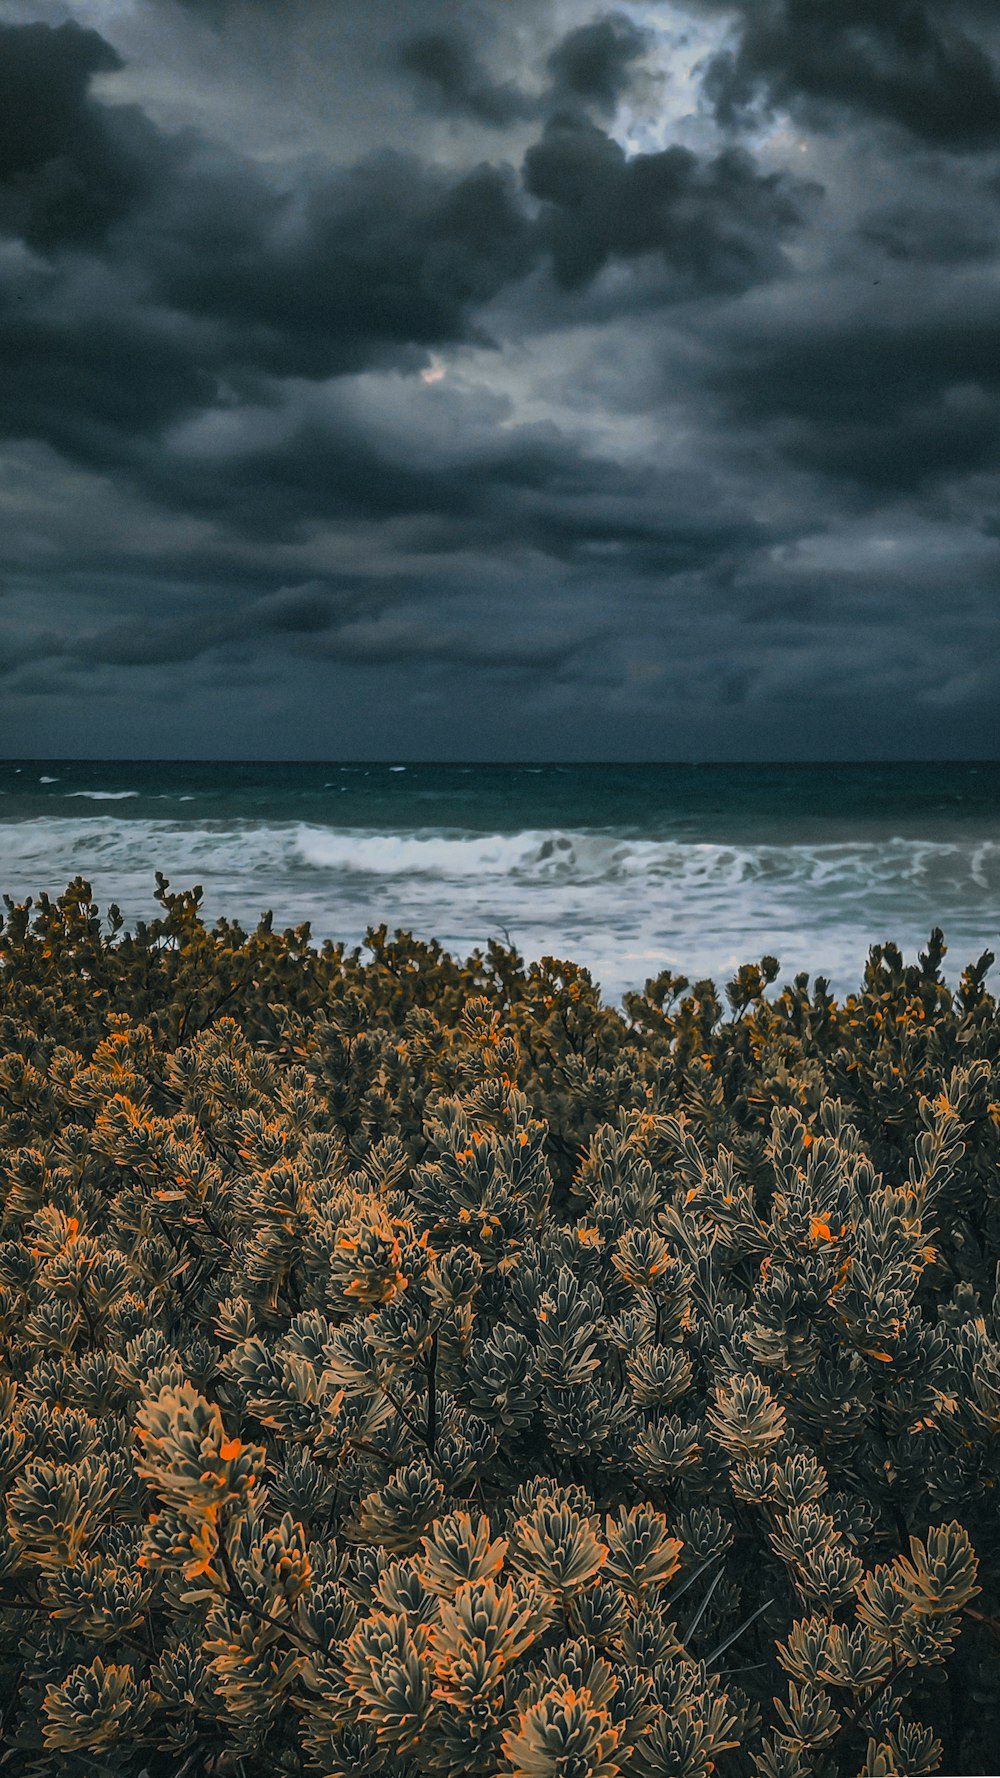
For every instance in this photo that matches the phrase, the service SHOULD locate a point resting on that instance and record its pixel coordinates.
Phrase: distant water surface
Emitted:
(626, 869)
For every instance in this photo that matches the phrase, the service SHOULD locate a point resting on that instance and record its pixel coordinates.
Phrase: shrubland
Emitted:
(417, 1367)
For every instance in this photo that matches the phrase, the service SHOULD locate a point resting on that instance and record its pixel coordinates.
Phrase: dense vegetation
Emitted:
(417, 1367)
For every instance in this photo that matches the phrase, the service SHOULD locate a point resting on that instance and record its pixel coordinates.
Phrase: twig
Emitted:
(703, 1607)
(737, 1633)
(406, 1418)
(696, 1574)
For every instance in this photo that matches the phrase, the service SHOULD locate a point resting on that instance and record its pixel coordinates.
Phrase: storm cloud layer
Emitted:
(510, 379)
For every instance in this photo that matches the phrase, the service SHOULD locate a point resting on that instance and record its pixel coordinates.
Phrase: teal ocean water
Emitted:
(626, 869)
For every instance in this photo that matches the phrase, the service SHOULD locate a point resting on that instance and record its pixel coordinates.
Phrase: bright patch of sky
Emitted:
(667, 106)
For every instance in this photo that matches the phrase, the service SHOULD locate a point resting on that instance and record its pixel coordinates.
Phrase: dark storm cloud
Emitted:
(716, 224)
(521, 369)
(97, 382)
(241, 282)
(593, 65)
(892, 404)
(402, 639)
(69, 166)
(389, 253)
(907, 63)
(456, 81)
(595, 62)
(401, 623)
(291, 612)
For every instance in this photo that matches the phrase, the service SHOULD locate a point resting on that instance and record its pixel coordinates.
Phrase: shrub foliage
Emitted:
(416, 1367)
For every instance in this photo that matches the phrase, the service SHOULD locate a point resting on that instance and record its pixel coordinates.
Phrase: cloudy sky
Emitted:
(500, 378)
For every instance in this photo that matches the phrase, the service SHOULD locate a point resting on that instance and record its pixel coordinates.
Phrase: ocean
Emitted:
(627, 869)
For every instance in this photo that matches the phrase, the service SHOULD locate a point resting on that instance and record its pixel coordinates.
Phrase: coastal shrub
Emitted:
(412, 1366)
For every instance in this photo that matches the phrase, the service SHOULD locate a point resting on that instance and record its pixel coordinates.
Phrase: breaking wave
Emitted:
(624, 905)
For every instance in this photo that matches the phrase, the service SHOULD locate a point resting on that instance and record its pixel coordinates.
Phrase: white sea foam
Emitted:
(623, 905)
(95, 796)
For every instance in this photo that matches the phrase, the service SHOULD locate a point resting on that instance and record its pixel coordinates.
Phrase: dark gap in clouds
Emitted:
(900, 61)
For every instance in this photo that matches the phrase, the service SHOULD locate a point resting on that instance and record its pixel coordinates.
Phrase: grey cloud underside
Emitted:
(454, 79)
(533, 387)
(889, 405)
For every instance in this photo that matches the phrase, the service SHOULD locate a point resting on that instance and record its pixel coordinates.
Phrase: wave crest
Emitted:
(621, 904)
